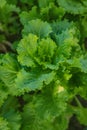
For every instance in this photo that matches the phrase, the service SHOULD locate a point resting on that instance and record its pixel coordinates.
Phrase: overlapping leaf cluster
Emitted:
(47, 66)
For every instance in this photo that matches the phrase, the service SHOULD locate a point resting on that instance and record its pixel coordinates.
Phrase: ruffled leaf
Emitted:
(27, 49)
(73, 6)
(8, 70)
(33, 52)
(9, 111)
(46, 111)
(31, 81)
(37, 27)
(33, 14)
(3, 92)
(3, 124)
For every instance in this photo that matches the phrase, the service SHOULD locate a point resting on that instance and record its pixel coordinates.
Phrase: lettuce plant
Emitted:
(47, 69)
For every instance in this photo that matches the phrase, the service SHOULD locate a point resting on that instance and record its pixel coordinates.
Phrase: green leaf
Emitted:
(8, 71)
(9, 111)
(8, 10)
(44, 3)
(33, 52)
(68, 43)
(73, 6)
(31, 81)
(30, 2)
(12, 2)
(3, 92)
(46, 111)
(3, 124)
(79, 62)
(14, 120)
(2, 3)
(84, 64)
(27, 49)
(37, 27)
(81, 113)
(25, 17)
(83, 29)
(46, 50)
(52, 12)
(60, 26)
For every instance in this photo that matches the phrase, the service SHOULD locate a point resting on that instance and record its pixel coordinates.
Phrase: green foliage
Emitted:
(32, 81)
(10, 113)
(73, 6)
(45, 111)
(40, 52)
(26, 55)
(81, 112)
(3, 124)
(8, 69)
(3, 92)
(37, 27)
(43, 68)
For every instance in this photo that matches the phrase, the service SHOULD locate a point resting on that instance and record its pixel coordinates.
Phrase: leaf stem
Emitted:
(78, 102)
